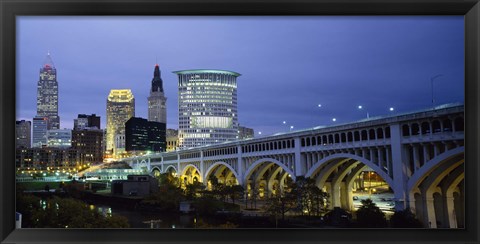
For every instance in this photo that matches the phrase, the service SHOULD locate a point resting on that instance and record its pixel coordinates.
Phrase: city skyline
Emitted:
(289, 65)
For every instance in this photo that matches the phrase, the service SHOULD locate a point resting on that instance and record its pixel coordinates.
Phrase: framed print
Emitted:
(232, 122)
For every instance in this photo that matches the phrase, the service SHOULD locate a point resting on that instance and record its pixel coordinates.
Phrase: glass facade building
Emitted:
(39, 131)
(142, 135)
(207, 107)
(120, 108)
(47, 94)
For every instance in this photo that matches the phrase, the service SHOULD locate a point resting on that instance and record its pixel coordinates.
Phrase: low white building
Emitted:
(61, 138)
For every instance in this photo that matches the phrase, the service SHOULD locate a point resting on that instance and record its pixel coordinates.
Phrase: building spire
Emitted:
(157, 82)
(48, 63)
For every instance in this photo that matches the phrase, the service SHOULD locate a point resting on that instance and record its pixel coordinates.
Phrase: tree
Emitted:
(235, 192)
(338, 217)
(27, 205)
(218, 189)
(169, 195)
(405, 219)
(192, 190)
(63, 213)
(280, 204)
(369, 215)
(311, 199)
(207, 205)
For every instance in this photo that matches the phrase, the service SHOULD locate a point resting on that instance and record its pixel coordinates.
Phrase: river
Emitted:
(138, 219)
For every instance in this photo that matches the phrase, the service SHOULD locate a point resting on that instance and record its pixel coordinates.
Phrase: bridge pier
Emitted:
(400, 177)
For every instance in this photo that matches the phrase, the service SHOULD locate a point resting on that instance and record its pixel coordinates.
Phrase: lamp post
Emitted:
(291, 127)
(431, 86)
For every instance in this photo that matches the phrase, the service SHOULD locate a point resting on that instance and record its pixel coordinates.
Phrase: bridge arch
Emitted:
(155, 171)
(221, 163)
(436, 190)
(170, 168)
(423, 172)
(262, 183)
(143, 163)
(336, 174)
(190, 174)
(255, 164)
(339, 156)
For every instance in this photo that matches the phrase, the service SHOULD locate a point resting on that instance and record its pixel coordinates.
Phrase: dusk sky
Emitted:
(288, 65)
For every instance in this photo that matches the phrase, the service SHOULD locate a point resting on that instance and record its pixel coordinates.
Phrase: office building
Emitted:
(142, 135)
(120, 108)
(172, 140)
(61, 138)
(39, 131)
(44, 158)
(207, 107)
(157, 102)
(47, 94)
(245, 133)
(83, 121)
(23, 131)
(89, 142)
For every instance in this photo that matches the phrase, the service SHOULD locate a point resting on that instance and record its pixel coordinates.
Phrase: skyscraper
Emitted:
(157, 107)
(47, 94)
(207, 107)
(120, 108)
(23, 130)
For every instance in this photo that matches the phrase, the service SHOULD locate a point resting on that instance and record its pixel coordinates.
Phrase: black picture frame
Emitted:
(12, 8)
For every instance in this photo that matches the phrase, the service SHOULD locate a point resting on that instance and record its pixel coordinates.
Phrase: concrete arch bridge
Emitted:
(420, 155)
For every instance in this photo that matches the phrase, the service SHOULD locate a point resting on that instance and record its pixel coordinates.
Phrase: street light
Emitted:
(391, 109)
(285, 124)
(334, 119)
(291, 127)
(361, 107)
(431, 85)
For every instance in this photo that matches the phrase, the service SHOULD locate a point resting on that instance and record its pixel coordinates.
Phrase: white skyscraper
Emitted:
(207, 107)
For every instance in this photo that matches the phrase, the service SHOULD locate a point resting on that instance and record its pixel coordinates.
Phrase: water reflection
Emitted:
(144, 220)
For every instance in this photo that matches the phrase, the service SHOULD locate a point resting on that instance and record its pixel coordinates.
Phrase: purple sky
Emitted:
(289, 65)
